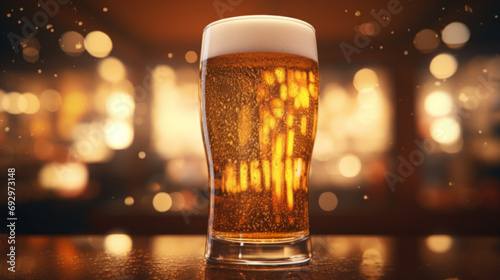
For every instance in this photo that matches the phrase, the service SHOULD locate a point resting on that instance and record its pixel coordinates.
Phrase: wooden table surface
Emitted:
(121, 257)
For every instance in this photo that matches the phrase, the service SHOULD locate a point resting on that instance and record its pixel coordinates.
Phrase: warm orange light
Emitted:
(255, 177)
(328, 201)
(268, 77)
(118, 244)
(289, 182)
(162, 202)
(303, 125)
(244, 176)
(443, 66)
(277, 166)
(439, 243)
(98, 44)
(280, 74)
(244, 124)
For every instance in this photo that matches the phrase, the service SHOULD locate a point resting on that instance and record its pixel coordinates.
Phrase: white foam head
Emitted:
(251, 34)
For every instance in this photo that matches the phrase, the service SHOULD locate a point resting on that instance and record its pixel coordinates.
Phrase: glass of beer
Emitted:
(259, 89)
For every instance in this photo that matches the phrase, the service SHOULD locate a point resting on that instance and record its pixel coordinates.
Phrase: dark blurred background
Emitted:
(99, 115)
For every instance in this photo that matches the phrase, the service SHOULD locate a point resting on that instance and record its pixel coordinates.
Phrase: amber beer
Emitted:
(259, 114)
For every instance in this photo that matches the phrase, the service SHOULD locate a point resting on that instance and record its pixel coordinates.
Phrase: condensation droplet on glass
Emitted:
(9, 15)
(450, 184)
(55, 75)
(18, 22)
(485, 70)
(392, 32)
(80, 23)
(49, 26)
(142, 155)
(357, 13)
(170, 55)
(485, 143)
(39, 71)
(365, 197)
(78, 45)
(467, 8)
(381, 47)
(345, 10)
(20, 137)
(7, 129)
(438, 83)
(21, 9)
(480, 131)
(443, 8)
(405, 52)
(496, 16)
(409, 29)
(52, 30)
(105, 9)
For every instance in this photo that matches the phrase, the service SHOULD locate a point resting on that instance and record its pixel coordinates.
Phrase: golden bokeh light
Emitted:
(426, 41)
(164, 75)
(335, 98)
(72, 43)
(178, 201)
(191, 56)
(445, 130)
(162, 202)
(328, 201)
(438, 103)
(368, 28)
(175, 116)
(117, 244)
(142, 155)
(32, 103)
(65, 178)
(368, 114)
(111, 69)
(98, 44)
(439, 243)
(74, 104)
(443, 66)
(368, 97)
(467, 98)
(14, 103)
(349, 165)
(454, 147)
(89, 143)
(455, 35)
(129, 201)
(31, 54)
(50, 100)
(118, 134)
(120, 105)
(365, 79)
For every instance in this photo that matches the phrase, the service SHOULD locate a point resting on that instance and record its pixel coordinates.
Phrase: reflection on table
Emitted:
(121, 257)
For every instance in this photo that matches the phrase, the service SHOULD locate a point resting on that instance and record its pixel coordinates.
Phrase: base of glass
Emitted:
(258, 253)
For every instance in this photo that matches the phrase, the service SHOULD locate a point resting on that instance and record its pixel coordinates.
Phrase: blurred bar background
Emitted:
(99, 115)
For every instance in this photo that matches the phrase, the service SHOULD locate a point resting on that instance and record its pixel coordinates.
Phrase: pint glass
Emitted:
(259, 88)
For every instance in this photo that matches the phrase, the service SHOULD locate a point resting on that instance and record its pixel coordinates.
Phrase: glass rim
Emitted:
(271, 17)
